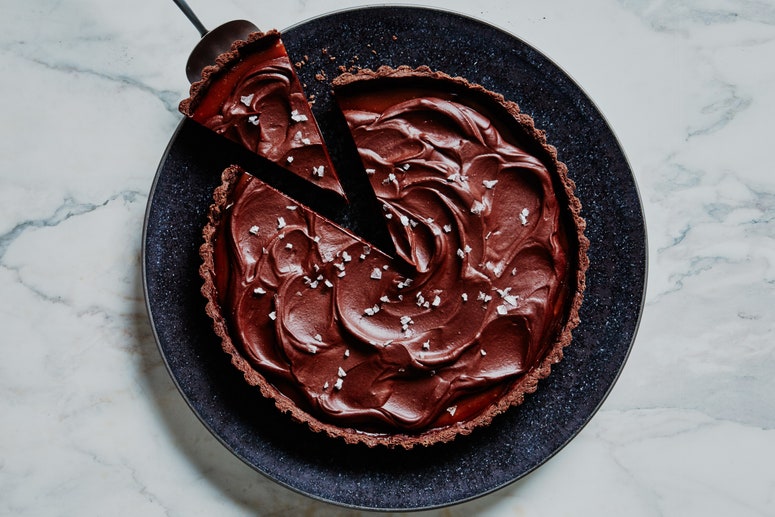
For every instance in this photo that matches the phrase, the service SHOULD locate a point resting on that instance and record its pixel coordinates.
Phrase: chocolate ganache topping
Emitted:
(253, 96)
(356, 343)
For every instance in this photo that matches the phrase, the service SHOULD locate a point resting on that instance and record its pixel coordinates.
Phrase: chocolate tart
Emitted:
(473, 311)
(252, 96)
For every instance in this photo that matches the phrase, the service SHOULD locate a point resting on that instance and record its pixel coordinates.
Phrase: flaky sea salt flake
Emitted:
(523, 216)
(298, 117)
(247, 99)
(483, 297)
(509, 298)
(254, 230)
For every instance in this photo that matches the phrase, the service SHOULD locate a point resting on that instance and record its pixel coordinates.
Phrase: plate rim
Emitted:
(585, 421)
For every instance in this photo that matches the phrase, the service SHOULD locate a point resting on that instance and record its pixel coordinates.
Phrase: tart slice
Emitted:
(252, 96)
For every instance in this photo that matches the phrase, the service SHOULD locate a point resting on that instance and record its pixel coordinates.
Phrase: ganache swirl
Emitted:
(338, 329)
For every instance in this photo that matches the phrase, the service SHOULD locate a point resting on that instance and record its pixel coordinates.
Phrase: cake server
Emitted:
(213, 42)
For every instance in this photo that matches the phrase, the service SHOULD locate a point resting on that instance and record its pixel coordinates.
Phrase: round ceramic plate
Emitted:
(518, 441)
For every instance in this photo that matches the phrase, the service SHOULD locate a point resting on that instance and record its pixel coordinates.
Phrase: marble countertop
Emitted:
(91, 422)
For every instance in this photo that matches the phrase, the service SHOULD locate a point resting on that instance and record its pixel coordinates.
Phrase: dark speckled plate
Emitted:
(518, 441)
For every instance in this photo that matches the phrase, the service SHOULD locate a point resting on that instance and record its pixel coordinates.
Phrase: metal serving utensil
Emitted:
(213, 42)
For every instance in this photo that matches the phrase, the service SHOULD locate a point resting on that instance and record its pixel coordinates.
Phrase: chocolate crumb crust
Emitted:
(526, 382)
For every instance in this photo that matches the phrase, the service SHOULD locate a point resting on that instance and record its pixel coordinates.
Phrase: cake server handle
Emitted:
(213, 42)
(191, 16)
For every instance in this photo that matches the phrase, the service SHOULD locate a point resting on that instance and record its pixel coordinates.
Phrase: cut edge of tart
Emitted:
(516, 391)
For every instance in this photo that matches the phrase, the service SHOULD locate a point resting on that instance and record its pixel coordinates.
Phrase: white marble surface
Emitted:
(91, 423)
